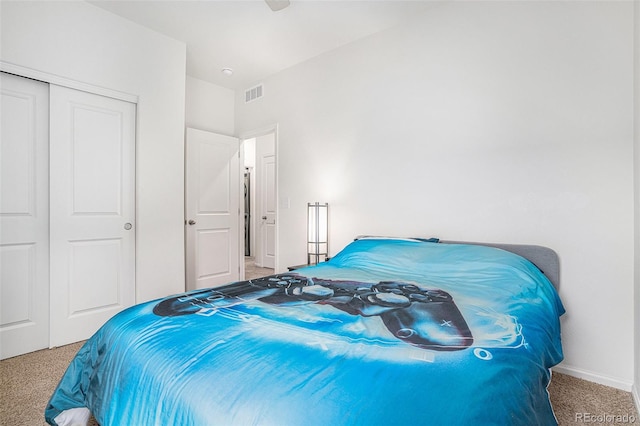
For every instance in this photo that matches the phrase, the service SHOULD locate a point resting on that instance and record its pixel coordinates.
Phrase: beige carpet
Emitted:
(577, 401)
(27, 381)
(252, 271)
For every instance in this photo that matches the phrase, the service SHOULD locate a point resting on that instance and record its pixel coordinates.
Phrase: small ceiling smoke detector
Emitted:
(227, 71)
(277, 5)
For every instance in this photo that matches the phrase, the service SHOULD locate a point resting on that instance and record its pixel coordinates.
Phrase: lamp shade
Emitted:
(317, 232)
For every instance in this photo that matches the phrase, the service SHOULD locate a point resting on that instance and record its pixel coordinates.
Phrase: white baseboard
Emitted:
(597, 378)
(636, 396)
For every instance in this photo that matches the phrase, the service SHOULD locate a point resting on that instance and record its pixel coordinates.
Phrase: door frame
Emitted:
(251, 134)
(46, 77)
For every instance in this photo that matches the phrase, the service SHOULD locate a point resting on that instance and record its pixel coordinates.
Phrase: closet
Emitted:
(67, 213)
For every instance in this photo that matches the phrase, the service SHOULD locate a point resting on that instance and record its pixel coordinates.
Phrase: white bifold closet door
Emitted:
(67, 211)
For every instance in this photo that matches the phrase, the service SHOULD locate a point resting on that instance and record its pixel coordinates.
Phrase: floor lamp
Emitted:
(317, 232)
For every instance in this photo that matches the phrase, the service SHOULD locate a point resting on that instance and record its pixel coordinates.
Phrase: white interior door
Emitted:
(266, 169)
(212, 209)
(24, 215)
(92, 202)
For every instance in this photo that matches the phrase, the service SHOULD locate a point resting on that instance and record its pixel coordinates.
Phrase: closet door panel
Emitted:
(24, 215)
(92, 211)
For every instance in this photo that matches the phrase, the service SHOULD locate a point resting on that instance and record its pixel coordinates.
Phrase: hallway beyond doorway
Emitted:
(252, 271)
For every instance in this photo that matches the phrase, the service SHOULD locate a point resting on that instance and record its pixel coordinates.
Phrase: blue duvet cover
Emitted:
(388, 332)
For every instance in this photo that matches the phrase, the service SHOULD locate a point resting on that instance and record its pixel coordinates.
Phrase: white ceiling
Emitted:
(246, 36)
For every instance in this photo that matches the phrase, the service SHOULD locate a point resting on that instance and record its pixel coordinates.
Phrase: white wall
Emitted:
(78, 41)
(487, 121)
(209, 107)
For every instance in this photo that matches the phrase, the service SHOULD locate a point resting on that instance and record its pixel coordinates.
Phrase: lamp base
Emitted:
(314, 259)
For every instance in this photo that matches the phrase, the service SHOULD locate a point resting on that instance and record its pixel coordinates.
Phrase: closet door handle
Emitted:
(128, 226)
(191, 222)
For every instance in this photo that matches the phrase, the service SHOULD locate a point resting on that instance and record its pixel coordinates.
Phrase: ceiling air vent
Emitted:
(253, 93)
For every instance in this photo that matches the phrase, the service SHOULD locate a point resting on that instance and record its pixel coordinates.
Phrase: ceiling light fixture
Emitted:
(227, 71)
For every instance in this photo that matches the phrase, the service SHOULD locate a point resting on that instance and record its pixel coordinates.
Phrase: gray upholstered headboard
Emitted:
(543, 257)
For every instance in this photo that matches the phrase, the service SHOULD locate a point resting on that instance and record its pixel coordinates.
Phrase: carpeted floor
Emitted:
(27, 381)
(253, 271)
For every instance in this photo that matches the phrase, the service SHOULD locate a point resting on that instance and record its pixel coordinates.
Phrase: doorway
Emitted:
(260, 203)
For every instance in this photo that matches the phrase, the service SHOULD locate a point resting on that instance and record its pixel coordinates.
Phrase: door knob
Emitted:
(127, 226)
(192, 222)
(264, 218)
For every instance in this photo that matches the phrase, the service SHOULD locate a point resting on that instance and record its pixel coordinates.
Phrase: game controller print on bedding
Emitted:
(386, 313)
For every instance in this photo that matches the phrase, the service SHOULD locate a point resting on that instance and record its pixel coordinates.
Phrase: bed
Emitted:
(390, 331)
